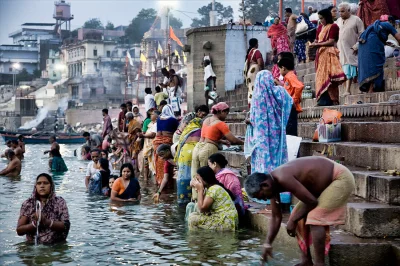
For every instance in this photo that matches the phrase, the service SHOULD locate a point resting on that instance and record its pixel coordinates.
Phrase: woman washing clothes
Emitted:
(213, 130)
(54, 218)
(166, 126)
(190, 136)
(216, 210)
(126, 188)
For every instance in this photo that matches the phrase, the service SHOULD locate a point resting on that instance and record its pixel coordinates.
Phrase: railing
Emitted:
(10, 113)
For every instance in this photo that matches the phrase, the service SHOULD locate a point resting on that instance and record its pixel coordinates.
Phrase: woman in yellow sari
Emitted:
(329, 72)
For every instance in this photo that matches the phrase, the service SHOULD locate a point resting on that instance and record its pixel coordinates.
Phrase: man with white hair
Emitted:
(350, 28)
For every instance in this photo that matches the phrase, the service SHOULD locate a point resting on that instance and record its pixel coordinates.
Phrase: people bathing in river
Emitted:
(56, 162)
(17, 149)
(164, 152)
(111, 181)
(92, 167)
(54, 145)
(126, 188)
(213, 131)
(94, 141)
(13, 168)
(323, 188)
(52, 221)
(217, 162)
(216, 210)
(98, 183)
(21, 143)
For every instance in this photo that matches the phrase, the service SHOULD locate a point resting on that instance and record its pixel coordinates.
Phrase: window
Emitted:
(52, 61)
(95, 66)
(75, 92)
(54, 74)
(92, 92)
(108, 54)
(94, 52)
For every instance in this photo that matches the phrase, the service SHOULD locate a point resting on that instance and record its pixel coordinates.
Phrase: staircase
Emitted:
(370, 145)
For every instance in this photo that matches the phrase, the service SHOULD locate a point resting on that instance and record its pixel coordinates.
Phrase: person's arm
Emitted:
(24, 227)
(10, 167)
(232, 139)
(87, 177)
(176, 82)
(275, 225)
(397, 37)
(298, 90)
(204, 203)
(22, 145)
(114, 197)
(156, 197)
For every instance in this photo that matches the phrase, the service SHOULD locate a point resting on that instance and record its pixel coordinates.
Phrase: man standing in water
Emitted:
(13, 168)
(54, 145)
(17, 149)
(323, 188)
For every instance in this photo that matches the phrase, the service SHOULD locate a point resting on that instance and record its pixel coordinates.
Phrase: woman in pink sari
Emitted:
(217, 162)
(279, 37)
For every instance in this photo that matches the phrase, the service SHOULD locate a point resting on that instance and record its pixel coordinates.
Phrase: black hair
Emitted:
(157, 112)
(287, 63)
(9, 153)
(105, 151)
(86, 148)
(304, 15)
(147, 90)
(286, 55)
(164, 71)
(129, 103)
(113, 176)
(163, 102)
(55, 153)
(20, 137)
(49, 178)
(208, 175)
(14, 141)
(86, 134)
(8, 142)
(219, 159)
(327, 15)
(53, 137)
(214, 112)
(148, 113)
(392, 19)
(331, 7)
(95, 150)
(202, 108)
(129, 166)
(105, 111)
(172, 71)
(123, 105)
(158, 89)
(104, 164)
(164, 148)
(252, 43)
(288, 10)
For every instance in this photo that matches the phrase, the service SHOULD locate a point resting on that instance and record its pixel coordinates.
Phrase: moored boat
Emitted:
(44, 138)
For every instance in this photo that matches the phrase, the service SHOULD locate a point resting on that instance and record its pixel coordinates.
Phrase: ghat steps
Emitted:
(370, 145)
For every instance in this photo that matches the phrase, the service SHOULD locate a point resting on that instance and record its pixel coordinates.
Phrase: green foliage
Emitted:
(93, 23)
(37, 73)
(204, 12)
(143, 22)
(109, 26)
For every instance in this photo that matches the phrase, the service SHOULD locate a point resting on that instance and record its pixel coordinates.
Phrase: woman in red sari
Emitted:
(329, 73)
(279, 37)
(372, 10)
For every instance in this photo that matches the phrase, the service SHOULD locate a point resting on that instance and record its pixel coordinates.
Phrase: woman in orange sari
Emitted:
(329, 72)
(166, 126)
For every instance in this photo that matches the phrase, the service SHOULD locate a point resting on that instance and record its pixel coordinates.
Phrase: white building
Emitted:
(54, 68)
(27, 57)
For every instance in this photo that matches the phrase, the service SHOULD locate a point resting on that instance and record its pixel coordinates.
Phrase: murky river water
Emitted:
(104, 234)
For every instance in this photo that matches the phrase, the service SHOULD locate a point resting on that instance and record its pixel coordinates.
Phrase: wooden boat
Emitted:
(43, 138)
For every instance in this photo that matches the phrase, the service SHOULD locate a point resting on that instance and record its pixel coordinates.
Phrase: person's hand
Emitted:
(355, 51)
(140, 135)
(225, 142)
(312, 45)
(267, 252)
(132, 200)
(198, 185)
(156, 198)
(291, 228)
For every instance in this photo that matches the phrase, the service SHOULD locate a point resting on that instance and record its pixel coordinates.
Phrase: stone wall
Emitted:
(9, 122)
(93, 116)
(227, 52)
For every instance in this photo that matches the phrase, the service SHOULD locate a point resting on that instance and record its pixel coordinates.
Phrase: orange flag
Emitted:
(173, 36)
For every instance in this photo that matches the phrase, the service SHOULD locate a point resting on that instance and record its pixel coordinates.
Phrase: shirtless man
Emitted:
(323, 188)
(291, 26)
(17, 149)
(21, 143)
(8, 143)
(54, 145)
(13, 168)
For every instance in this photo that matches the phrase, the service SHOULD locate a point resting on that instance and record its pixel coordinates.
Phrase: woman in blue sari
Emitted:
(266, 133)
(371, 54)
(126, 188)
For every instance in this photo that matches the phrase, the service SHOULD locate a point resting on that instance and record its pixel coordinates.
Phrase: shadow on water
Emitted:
(104, 233)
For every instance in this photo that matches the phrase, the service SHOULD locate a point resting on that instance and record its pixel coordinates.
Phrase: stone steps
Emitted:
(346, 249)
(379, 132)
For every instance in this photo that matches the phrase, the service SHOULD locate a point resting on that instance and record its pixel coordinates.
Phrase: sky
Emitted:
(13, 13)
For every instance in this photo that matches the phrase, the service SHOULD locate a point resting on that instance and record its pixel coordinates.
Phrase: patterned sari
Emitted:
(329, 73)
(183, 158)
(159, 162)
(266, 136)
(279, 38)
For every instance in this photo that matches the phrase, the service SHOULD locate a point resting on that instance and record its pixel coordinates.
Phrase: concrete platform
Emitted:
(379, 132)
(373, 220)
(346, 249)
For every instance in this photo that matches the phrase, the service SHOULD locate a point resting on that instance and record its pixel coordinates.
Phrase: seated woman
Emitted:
(166, 126)
(212, 132)
(98, 183)
(56, 162)
(54, 218)
(228, 178)
(126, 187)
(216, 208)
(164, 151)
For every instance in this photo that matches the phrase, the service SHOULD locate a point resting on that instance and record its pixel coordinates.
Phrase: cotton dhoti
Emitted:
(331, 208)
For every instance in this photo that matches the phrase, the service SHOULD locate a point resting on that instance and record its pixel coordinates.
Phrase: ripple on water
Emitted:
(114, 234)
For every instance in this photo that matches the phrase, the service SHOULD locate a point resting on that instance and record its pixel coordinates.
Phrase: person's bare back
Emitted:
(55, 146)
(18, 153)
(314, 173)
(13, 168)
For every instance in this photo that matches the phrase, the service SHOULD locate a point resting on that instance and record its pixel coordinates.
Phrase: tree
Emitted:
(93, 23)
(204, 12)
(109, 26)
(143, 22)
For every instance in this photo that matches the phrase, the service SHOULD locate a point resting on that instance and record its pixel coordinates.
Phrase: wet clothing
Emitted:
(132, 191)
(58, 165)
(231, 182)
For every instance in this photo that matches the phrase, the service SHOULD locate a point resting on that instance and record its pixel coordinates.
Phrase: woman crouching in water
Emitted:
(126, 187)
(54, 218)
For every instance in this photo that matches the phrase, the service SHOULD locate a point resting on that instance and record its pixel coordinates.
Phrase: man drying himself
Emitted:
(323, 188)
(13, 168)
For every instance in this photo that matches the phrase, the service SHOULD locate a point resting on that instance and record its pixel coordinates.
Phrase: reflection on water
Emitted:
(106, 234)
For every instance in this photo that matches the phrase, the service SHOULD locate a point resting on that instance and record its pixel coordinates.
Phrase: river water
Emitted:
(105, 234)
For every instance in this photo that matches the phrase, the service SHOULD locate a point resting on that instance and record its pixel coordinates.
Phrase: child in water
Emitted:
(164, 151)
(111, 181)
